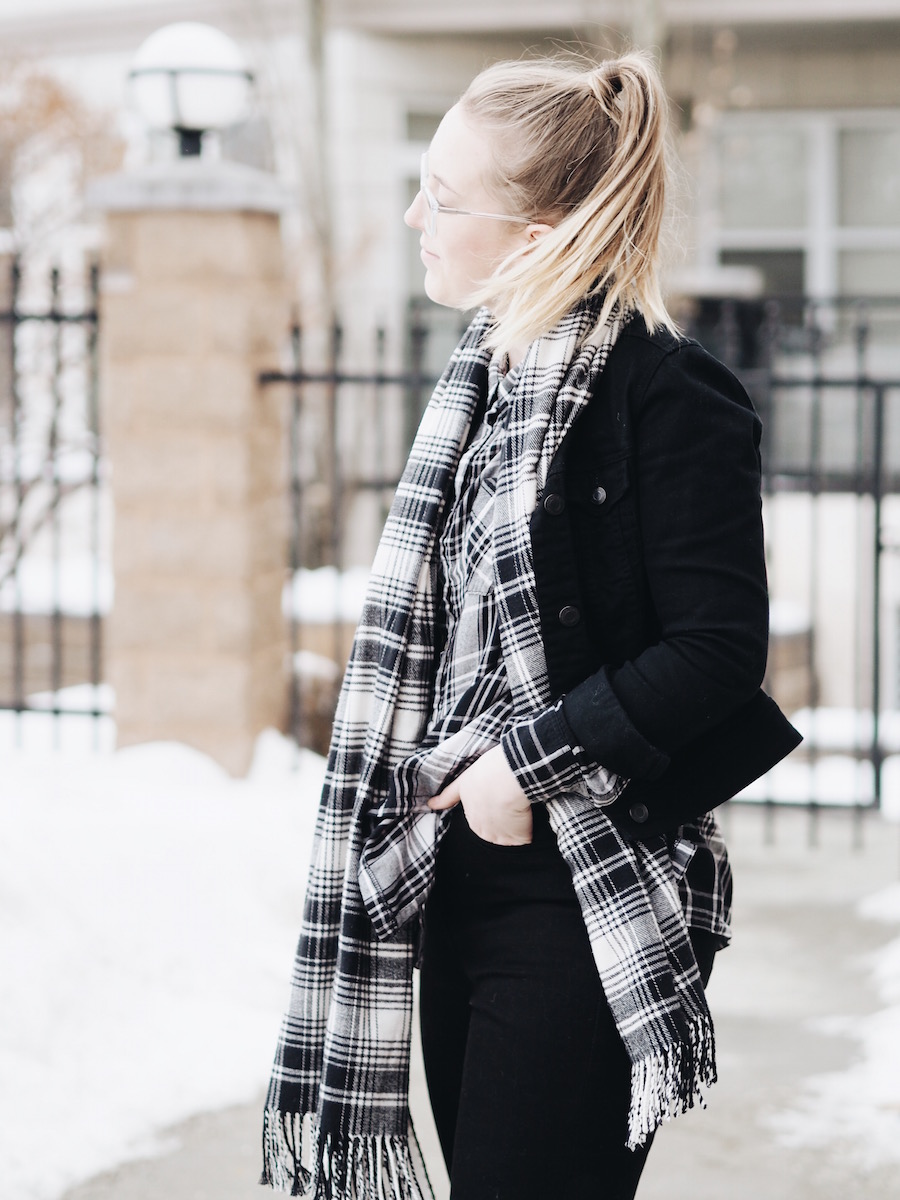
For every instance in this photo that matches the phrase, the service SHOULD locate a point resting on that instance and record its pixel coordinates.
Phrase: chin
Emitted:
(437, 290)
(434, 291)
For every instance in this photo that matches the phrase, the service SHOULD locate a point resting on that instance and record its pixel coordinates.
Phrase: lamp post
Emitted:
(190, 78)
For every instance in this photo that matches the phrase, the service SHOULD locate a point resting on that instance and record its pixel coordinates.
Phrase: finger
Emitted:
(443, 801)
(448, 798)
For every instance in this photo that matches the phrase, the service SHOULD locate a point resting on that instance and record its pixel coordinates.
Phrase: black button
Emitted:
(569, 616)
(639, 813)
(554, 504)
(598, 495)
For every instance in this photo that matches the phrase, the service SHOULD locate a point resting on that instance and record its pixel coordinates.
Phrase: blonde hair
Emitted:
(583, 150)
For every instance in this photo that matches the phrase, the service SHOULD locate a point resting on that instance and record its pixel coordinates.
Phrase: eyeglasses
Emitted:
(433, 208)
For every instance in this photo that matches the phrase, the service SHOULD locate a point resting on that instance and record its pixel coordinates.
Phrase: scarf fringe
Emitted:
(668, 1083)
(373, 1167)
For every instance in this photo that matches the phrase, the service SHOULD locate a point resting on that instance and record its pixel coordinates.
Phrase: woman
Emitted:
(555, 678)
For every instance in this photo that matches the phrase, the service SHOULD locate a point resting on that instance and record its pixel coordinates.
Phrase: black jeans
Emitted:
(528, 1077)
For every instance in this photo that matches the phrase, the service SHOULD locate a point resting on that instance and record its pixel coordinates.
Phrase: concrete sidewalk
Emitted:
(797, 956)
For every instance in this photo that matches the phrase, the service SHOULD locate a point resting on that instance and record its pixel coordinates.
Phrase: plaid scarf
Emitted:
(337, 1119)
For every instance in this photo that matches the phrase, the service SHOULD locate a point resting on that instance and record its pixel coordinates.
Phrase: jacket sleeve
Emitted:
(697, 474)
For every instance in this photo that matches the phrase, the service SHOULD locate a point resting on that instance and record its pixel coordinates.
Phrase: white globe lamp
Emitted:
(190, 77)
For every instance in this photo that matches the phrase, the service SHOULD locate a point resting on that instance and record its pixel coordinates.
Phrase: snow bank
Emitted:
(858, 1109)
(149, 907)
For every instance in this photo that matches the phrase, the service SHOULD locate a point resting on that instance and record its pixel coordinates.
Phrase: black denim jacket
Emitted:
(648, 548)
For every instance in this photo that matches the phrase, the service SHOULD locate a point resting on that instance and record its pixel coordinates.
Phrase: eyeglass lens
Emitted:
(428, 196)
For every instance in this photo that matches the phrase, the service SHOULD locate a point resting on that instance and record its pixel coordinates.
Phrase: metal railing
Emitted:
(825, 376)
(53, 584)
(350, 431)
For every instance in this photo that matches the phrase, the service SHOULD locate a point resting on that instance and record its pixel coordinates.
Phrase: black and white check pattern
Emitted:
(337, 1120)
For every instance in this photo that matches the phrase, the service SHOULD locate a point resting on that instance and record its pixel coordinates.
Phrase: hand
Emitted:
(496, 808)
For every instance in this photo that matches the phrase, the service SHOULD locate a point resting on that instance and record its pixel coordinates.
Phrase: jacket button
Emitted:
(598, 495)
(569, 616)
(639, 813)
(554, 504)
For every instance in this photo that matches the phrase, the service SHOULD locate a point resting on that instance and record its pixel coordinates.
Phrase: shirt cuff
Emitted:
(546, 761)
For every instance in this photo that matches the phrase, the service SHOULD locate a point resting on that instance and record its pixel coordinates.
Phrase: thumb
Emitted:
(448, 798)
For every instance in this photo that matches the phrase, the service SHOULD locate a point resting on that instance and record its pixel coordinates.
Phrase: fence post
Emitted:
(193, 306)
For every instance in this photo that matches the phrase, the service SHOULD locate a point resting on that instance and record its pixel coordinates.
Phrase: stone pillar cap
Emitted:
(189, 184)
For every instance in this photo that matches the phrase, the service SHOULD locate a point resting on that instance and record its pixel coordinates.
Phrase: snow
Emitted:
(78, 580)
(837, 780)
(308, 665)
(830, 767)
(883, 906)
(38, 733)
(83, 697)
(79, 586)
(149, 907)
(859, 1108)
(846, 729)
(317, 595)
(787, 618)
(82, 586)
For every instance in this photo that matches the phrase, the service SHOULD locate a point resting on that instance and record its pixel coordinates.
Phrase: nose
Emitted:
(413, 215)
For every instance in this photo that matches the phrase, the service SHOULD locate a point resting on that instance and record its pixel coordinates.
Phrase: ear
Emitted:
(537, 230)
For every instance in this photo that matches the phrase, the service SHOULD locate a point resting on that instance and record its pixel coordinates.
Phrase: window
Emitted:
(762, 179)
(781, 270)
(810, 199)
(869, 177)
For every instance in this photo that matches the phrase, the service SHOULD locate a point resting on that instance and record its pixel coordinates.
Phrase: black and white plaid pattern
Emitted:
(337, 1119)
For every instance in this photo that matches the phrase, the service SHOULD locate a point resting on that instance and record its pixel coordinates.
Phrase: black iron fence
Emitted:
(351, 428)
(825, 376)
(54, 577)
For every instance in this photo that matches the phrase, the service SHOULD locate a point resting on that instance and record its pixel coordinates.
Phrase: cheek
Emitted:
(476, 256)
(467, 257)
(494, 247)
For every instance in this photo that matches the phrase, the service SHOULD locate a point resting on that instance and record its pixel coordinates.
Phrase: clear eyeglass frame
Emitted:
(432, 206)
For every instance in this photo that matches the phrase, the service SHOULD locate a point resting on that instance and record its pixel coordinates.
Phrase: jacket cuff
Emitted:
(601, 725)
(546, 761)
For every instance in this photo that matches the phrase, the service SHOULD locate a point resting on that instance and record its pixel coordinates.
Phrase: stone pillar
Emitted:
(193, 306)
